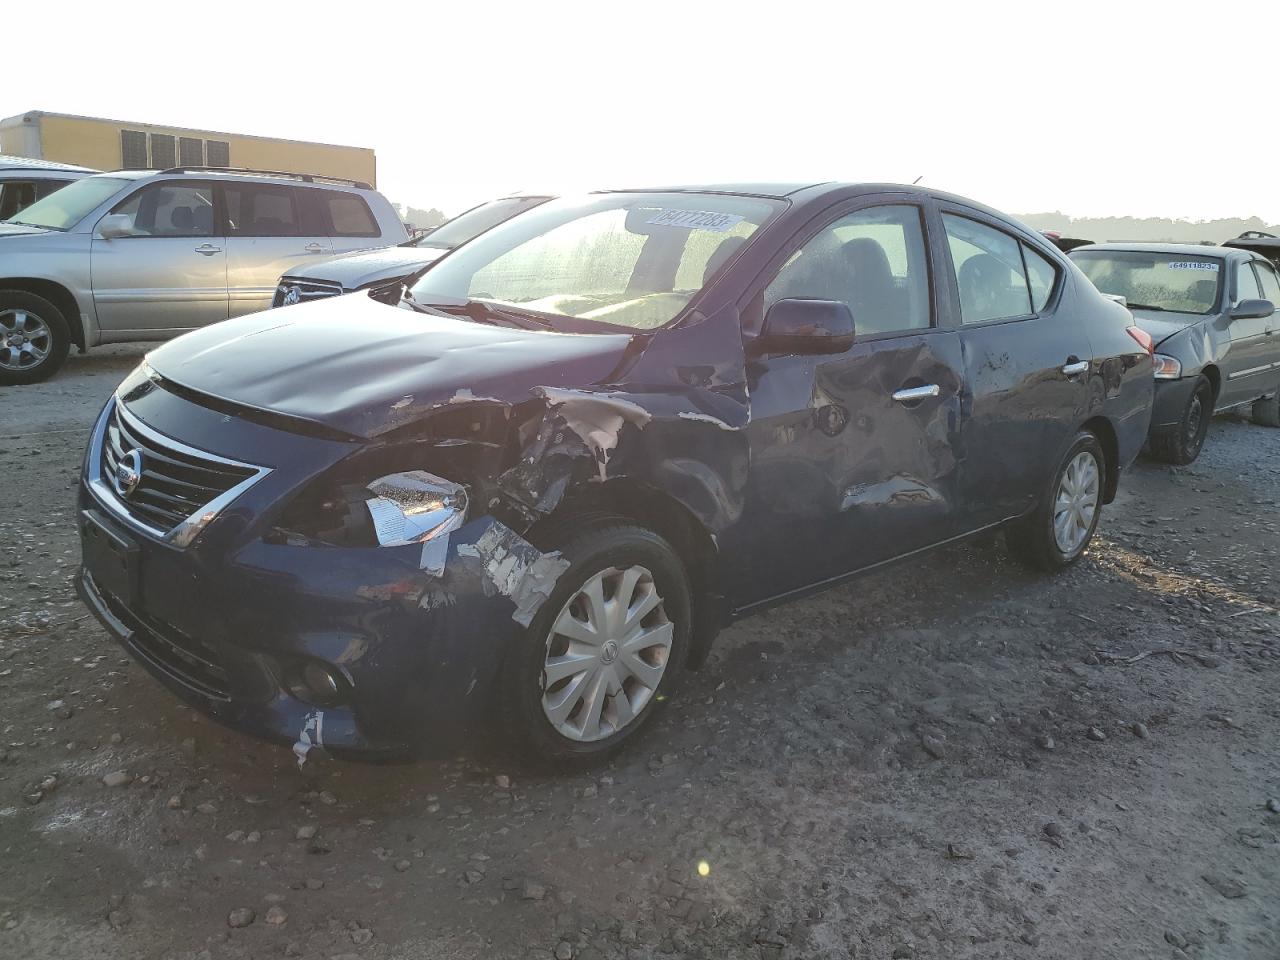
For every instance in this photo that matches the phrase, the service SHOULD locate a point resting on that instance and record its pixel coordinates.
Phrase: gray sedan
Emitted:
(1211, 312)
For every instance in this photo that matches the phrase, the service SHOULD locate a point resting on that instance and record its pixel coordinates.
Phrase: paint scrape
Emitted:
(516, 569)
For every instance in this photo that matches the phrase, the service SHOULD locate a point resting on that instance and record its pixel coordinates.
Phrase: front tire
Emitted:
(1183, 443)
(34, 338)
(1059, 530)
(603, 651)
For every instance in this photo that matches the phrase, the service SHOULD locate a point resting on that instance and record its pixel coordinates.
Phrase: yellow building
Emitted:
(117, 145)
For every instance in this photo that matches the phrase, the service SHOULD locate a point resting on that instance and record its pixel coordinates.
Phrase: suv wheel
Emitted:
(602, 652)
(33, 338)
(1183, 443)
(1057, 533)
(1267, 412)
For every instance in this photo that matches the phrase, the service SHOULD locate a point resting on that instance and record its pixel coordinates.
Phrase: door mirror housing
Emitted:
(1252, 309)
(115, 225)
(806, 327)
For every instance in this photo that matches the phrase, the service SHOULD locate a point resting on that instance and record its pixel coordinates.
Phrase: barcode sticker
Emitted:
(1193, 265)
(696, 220)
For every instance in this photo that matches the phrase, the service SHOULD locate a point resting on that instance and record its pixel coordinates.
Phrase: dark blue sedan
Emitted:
(526, 488)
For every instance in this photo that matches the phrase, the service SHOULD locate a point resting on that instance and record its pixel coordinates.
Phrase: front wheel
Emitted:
(1057, 533)
(33, 338)
(1182, 444)
(602, 652)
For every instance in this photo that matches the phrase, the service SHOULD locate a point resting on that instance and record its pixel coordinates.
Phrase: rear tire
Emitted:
(547, 719)
(34, 338)
(1183, 443)
(1058, 531)
(1267, 412)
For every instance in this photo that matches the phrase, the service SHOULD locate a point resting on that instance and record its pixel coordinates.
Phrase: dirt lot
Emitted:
(952, 759)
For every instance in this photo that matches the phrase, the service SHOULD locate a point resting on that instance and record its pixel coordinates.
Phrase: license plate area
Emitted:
(111, 557)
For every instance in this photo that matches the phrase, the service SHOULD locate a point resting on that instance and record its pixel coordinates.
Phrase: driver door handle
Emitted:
(912, 394)
(208, 249)
(1075, 367)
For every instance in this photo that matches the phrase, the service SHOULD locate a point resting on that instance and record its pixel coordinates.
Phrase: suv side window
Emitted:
(349, 214)
(261, 210)
(16, 195)
(1270, 281)
(1246, 283)
(171, 208)
(874, 260)
(989, 271)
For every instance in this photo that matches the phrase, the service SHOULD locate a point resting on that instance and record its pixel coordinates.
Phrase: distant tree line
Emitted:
(420, 218)
(1147, 229)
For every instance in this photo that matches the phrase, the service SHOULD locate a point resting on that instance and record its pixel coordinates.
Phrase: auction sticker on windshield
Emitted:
(1192, 265)
(696, 220)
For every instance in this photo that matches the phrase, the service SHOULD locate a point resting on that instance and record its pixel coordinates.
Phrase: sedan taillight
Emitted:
(1143, 338)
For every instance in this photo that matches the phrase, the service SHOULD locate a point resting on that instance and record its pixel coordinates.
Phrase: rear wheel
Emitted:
(1183, 443)
(33, 338)
(1057, 533)
(602, 652)
(1267, 412)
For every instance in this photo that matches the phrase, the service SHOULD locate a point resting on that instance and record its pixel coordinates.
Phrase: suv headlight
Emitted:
(1166, 367)
(415, 506)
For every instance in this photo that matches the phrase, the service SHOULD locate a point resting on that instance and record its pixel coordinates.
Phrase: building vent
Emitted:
(192, 152)
(133, 150)
(164, 151)
(217, 153)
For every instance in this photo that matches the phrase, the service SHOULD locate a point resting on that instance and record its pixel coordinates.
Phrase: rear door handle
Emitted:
(208, 249)
(1075, 367)
(313, 248)
(912, 394)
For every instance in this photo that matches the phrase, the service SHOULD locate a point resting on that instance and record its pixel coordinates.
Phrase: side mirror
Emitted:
(115, 225)
(1252, 309)
(806, 327)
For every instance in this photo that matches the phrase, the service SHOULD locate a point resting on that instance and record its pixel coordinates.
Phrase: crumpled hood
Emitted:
(355, 270)
(363, 367)
(19, 230)
(1163, 325)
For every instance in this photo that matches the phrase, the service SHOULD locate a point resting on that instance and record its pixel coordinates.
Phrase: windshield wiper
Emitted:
(1143, 306)
(481, 311)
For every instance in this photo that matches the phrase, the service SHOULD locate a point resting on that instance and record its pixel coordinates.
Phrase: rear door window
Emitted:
(989, 271)
(171, 208)
(1042, 276)
(261, 210)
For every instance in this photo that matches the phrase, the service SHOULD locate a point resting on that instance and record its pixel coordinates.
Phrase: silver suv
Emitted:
(147, 255)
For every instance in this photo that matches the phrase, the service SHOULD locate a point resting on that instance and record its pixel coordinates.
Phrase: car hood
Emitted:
(363, 367)
(20, 230)
(355, 270)
(1163, 325)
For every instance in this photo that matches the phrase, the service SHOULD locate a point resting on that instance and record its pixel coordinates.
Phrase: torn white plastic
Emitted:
(707, 418)
(311, 735)
(596, 419)
(516, 569)
(434, 553)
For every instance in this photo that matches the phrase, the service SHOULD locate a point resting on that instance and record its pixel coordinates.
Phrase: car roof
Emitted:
(1181, 249)
(776, 191)
(28, 163)
(241, 175)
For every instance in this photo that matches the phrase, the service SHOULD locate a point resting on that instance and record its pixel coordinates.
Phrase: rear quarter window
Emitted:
(349, 215)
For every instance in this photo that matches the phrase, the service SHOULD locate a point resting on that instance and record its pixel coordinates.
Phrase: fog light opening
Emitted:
(316, 683)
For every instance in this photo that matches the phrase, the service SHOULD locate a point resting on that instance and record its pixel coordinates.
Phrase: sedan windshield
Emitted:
(469, 225)
(1154, 281)
(67, 207)
(625, 259)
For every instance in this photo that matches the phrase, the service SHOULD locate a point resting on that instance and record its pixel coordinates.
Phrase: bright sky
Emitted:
(1093, 109)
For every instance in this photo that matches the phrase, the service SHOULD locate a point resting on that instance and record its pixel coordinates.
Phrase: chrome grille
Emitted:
(167, 488)
(307, 290)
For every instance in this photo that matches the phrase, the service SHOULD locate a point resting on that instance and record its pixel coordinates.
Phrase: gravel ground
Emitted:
(951, 759)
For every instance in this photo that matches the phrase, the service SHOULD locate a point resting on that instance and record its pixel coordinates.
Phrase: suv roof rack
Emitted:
(304, 177)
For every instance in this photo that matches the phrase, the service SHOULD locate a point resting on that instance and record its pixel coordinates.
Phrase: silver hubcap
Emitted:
(25, 340)
(606, 655)
(1076, 503)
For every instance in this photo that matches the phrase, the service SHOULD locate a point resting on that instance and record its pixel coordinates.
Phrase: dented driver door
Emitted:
(852, 456)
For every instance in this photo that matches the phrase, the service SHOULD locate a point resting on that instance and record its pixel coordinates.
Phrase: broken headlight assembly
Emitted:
(415, 506)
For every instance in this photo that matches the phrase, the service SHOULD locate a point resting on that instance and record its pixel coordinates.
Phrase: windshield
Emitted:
(67, 207)
(1154, 281)
(469, 225)
(632, 260)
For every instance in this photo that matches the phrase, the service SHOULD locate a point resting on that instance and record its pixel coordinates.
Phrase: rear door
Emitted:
(1027, 365)
(171, 274)
(270, 232)
(852, 456)
(1247, 365)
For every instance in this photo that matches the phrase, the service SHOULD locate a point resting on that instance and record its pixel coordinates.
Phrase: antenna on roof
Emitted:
(917, 179)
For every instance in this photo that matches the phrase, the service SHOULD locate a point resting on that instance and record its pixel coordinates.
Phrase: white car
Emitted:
(24, 181)
(148, 255)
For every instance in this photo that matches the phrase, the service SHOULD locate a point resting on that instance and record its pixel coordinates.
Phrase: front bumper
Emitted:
(1169, 405)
